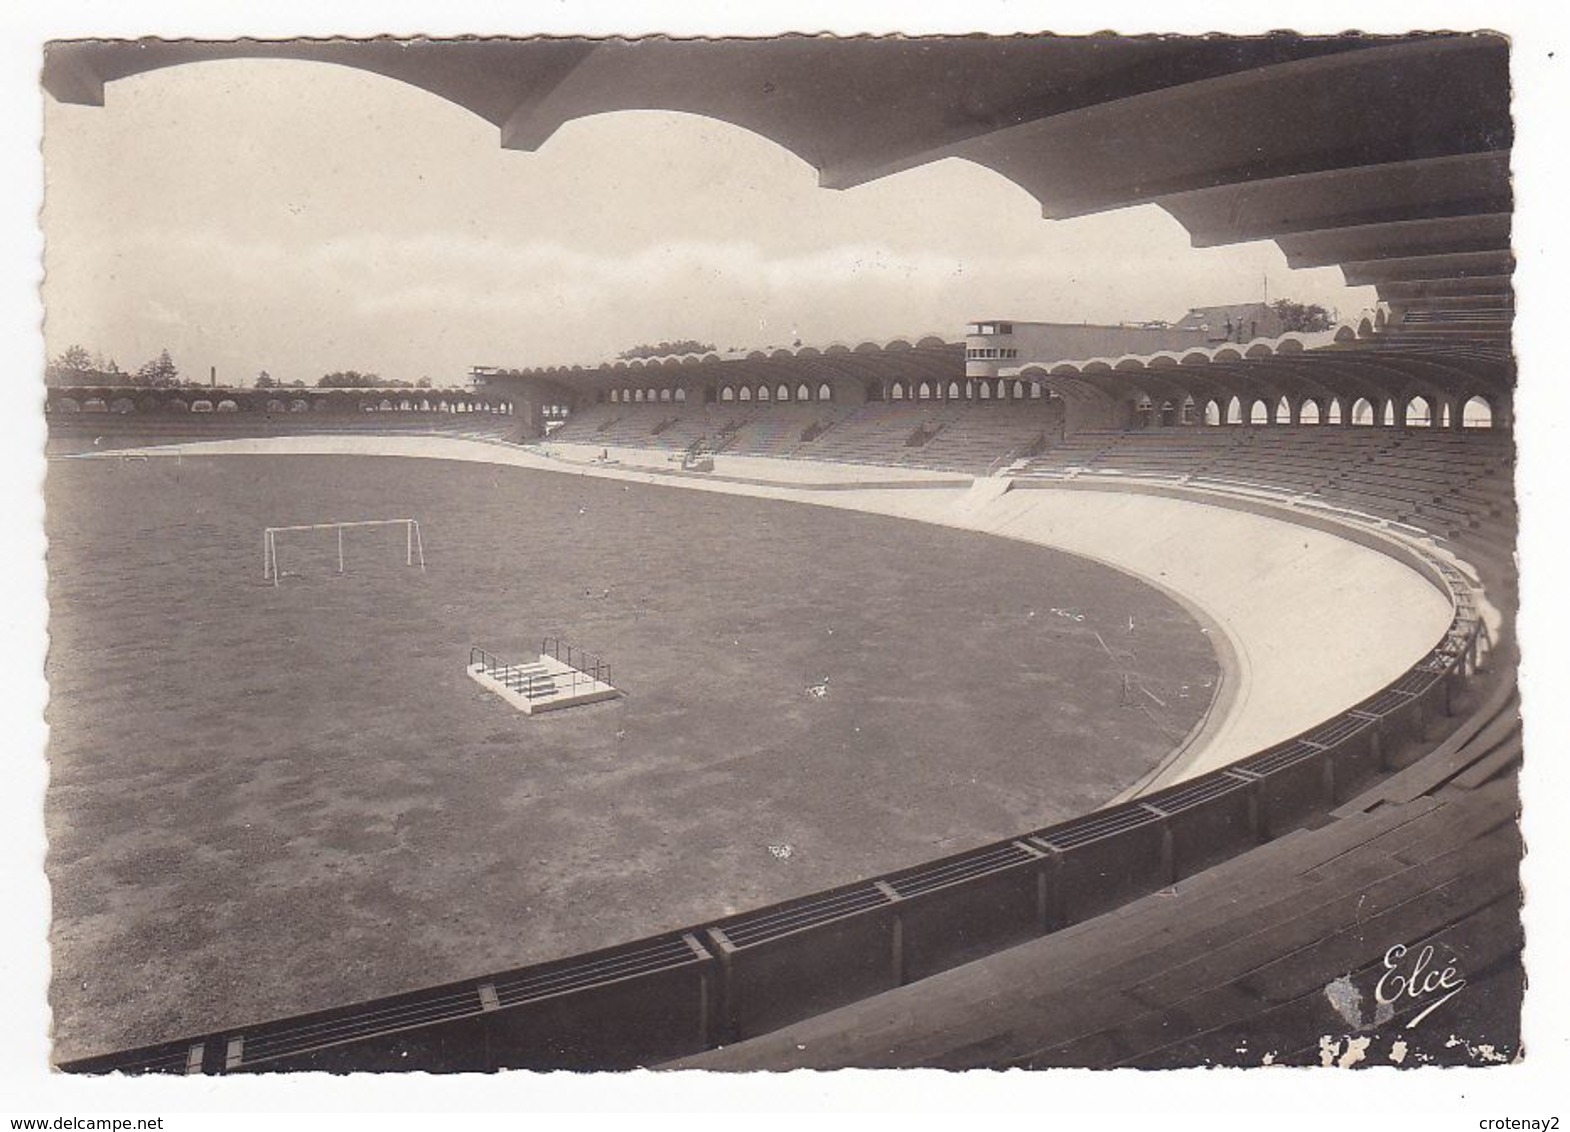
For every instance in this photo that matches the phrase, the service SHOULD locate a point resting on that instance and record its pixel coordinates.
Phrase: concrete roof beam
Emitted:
(1300, 117)
(1400, 239)
(1405, 291)
(1449, 265)
(1461, 185)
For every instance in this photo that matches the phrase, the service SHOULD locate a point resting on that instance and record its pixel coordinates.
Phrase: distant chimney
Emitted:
(212, 377)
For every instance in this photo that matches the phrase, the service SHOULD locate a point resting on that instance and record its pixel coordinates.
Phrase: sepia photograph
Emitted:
(726, 554)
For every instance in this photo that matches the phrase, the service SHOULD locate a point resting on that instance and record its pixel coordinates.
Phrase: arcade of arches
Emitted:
(128, 400)
(554, 403)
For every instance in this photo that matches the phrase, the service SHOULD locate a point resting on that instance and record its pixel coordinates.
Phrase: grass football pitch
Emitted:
(267, 800)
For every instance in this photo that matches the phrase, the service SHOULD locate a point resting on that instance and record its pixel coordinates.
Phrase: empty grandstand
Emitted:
(1340, 803)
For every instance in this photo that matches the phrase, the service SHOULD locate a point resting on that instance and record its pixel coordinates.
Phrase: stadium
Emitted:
(1017, 694)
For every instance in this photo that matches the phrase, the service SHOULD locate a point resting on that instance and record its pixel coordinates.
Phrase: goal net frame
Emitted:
(414, 546)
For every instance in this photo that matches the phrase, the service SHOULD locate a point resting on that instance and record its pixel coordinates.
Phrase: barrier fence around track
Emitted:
(731, 979)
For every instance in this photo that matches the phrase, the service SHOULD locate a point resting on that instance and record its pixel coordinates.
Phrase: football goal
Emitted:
(316, 540)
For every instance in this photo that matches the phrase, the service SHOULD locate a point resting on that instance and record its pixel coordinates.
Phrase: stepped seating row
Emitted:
(585, 425)
(1443, 482)
(980, 438)
(1475, 324)
(880, 433)
(1148, 453)
(958, 437)
(633, 430)
(1420, 484)
(740, 430)
(1070, 454)
(1493, 495)
(678, 434)
(624, 426)
(773, 432)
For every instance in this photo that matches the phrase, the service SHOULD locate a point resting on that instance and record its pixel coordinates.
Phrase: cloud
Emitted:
(333, 247)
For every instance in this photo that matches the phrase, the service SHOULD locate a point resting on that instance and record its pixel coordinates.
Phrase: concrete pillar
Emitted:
(1256, 817)
(529, 415)
(1169, 863)
(1504, 411)
(725, 1029)
(708, 1020)
(1053, 913)
(1079, 414)
(897, 972)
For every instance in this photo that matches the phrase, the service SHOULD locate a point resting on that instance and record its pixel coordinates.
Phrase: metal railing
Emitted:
(1018, 452)
(532, 682)
(527, 680)
(591, 665)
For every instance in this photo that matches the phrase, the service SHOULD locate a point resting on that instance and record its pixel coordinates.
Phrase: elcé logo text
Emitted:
(1410, 979)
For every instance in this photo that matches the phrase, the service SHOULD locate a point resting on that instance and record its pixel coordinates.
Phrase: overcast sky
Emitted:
(302, 218)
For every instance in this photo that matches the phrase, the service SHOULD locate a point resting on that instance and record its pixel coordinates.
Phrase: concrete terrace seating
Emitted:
(585, 425)
(1468, 324)
(1440, 481)
(875, 433)
(1153, 453)
(710, 424)
(957, 437)
(980, 437)
(735, 428)
(1295, 463)
(1064, 457)
(633, 428)
(968, 438)
(776, 431)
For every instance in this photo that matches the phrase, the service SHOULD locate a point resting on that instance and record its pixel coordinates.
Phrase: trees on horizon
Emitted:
(158, 373)
(666, 349)
(75, 365)
(354, 379)
(1302, 317)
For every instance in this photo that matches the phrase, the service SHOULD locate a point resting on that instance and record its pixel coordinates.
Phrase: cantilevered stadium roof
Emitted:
(1387, 156)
